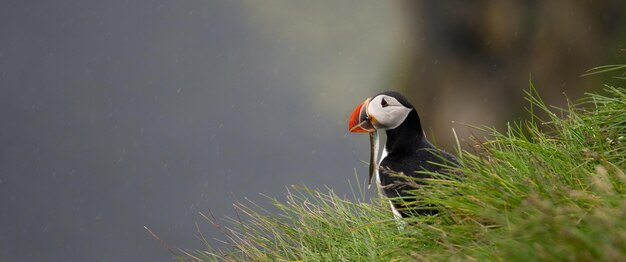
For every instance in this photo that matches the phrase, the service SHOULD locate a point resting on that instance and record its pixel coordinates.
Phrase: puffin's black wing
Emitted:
(426, 158)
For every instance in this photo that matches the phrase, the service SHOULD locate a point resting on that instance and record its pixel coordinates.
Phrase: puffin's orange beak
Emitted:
(360, 121)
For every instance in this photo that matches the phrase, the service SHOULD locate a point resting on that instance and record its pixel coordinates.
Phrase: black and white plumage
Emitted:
(406, 150)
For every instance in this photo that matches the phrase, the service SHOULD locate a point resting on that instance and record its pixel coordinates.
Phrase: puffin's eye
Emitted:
(383, 103)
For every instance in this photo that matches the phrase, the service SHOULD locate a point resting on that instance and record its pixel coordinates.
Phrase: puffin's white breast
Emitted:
(396, 213)
(382, 157)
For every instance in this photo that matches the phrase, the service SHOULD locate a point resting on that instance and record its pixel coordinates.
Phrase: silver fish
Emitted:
(374, 147)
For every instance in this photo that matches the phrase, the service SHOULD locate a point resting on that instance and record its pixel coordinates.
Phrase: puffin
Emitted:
(407, 151)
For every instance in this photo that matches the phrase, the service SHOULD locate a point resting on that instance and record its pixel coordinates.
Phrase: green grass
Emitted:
(548, 188)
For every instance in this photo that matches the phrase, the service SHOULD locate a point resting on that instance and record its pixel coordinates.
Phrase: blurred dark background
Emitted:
(120, 114)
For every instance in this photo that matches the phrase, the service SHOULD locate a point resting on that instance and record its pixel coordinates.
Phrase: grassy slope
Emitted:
(546, 189)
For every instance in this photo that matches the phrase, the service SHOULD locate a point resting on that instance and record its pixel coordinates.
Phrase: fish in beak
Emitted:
(361, 121)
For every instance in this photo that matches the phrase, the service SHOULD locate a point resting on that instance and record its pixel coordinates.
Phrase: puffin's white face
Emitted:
(386, 112)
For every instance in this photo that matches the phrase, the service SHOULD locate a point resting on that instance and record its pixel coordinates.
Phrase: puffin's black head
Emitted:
(386, 110)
